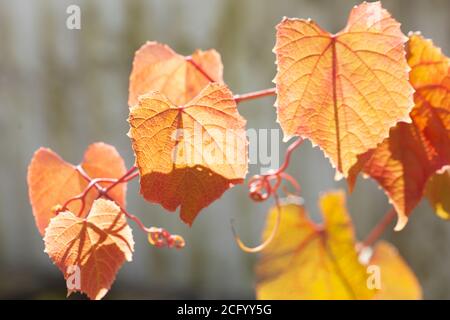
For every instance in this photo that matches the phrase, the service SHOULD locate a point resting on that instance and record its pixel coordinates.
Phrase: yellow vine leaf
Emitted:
(308, 260)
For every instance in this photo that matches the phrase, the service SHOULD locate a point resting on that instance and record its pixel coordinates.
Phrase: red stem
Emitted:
(158, 237)
(254, 95)
(122, 179)
(239, 97)
(378, 230)
(83, 194)
(131, 177)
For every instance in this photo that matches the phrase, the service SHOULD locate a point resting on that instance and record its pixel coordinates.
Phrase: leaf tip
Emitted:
(401, 223)
(101, 293)
(338, 175)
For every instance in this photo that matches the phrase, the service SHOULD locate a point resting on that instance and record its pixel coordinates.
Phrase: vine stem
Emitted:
(84, 193)
(379, 229)
(158, 237)
(254, 95)
(238, 97)
(129, 175)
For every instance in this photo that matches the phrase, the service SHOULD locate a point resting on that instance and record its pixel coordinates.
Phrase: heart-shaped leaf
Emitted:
(343, 91)
(188, 155)
(52, 181)
(156, 67)
(92, 248)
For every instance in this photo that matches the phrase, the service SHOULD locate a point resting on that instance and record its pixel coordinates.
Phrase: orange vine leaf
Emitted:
(307, 260)
(156, 67)
(188, 155)
(52, 181)
(97, 245)
(405, 161)
(343, 91)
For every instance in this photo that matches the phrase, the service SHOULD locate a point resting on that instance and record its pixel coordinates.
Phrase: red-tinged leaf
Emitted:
(343, 91)
(188, 156)
(405, 161)
(156, 67)
(98, 245)
(52, 181)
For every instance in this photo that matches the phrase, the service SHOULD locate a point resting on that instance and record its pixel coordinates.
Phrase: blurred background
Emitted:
(65, 89)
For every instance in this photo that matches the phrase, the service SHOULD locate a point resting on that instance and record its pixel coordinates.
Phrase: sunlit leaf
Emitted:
(308, 260)
(343, 91)
(188, 155)
(403, 163)
(312, 261)
(98, 245)
(156, 67)
(52, 181)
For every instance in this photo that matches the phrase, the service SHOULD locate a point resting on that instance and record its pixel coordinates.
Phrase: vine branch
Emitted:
(379, 228)
(238, 97)
(159, 237)
(129, 175)
(261, 188)
(254, 95)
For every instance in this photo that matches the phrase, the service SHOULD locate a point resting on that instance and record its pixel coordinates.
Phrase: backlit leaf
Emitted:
(311, 261)
(343, 91)
(438, 193)
(307, 260)
(98, 245)
(52, 181)
(188, 155)
(403, 163)
(156, 67)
